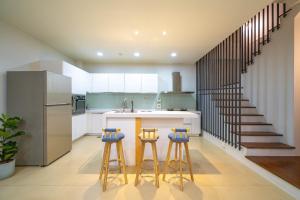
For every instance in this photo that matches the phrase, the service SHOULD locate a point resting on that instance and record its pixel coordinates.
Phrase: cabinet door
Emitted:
(99, 83)
(78, 76)
(96, 122)
(149, 83)
(133, 83)
(79, 126)
(116, 82)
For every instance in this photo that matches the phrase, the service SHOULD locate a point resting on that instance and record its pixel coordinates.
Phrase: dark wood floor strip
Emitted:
(261, 145)
(285, 167)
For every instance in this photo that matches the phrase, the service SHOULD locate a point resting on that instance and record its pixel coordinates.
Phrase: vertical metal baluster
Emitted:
(222, 85)
(244, 64)
(218, 84)
(239, 93)
(197, 87)
(230, 90)
(212, 86)
(284, 9)
(227, 70)
(259, 34)
(206, 90)
(248, 44)
(277, 16)
(263, 26)
(268, 24)
(252, 41)
(254, 34)
(272, 22)
(214, 104)
(235, 91)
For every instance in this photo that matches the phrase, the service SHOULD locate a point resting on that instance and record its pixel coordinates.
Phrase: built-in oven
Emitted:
(78, 104)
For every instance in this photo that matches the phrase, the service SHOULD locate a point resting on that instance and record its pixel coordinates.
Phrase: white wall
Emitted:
(188, 73)
(18, 48)
(297, 80)
(269, 82)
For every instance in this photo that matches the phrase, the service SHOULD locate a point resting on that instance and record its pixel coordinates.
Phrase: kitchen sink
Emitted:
(122, 111)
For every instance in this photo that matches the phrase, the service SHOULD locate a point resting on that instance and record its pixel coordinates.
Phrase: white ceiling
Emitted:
(80, 28)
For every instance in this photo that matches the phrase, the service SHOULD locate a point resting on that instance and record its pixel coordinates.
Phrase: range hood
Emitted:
(176, 85)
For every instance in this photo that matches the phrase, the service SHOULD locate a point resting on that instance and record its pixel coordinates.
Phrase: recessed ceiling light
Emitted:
(136, 32)
(99, 54)
(173, 54)
(164, 33)
(136, 54)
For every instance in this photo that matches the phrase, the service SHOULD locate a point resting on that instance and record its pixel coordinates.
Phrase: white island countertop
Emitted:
(151, 114)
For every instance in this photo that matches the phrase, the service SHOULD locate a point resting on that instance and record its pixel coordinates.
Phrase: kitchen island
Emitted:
(131, 124)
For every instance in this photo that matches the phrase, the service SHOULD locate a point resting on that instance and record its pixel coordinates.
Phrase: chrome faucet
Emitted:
(132, 106)
(124, 104)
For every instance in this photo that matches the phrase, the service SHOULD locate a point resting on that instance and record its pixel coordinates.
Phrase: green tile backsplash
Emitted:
(141, 101)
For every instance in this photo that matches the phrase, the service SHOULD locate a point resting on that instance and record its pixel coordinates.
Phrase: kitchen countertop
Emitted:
(151, 114)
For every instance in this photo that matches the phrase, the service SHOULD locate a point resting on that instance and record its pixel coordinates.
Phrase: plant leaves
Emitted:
(4, 134)
(19, 133)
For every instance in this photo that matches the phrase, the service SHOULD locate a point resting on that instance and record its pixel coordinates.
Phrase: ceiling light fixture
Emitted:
(164, 33)
(136, 32)
(173, 54)
(136, 54)
(99, 54)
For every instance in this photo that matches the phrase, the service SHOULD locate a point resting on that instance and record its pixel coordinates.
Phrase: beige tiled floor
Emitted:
(75, 176)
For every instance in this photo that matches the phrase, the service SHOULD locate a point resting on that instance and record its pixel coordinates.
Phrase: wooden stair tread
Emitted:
(263, 145)
(230, 99)
(236, 107)
(251, 123)
(259, 133)
(244, 114)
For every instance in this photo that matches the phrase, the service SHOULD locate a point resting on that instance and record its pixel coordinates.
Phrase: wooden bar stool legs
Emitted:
(106, 160)
(179, 162)
(188, 158)
(155, 162)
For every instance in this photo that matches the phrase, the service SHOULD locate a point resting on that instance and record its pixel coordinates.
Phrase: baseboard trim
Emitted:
(238, 155)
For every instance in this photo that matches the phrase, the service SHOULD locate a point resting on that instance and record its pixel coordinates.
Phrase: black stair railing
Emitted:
(218, 74)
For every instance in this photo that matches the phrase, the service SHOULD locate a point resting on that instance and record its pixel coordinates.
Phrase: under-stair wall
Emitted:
(269, 82)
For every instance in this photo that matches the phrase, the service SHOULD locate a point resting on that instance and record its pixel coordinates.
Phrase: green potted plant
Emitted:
(8, 145)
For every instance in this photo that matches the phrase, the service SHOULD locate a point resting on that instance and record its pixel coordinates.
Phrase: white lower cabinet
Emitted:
(79, 126)
(194, 124)
(95, 123)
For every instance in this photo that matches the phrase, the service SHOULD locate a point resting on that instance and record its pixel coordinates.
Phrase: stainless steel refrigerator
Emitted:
(43, 100)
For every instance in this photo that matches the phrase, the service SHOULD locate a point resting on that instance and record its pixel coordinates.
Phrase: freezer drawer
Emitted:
(58, 133)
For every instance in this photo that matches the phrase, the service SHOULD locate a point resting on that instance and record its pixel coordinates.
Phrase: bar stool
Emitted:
(179, 136)
(110, 136)
(148, 135)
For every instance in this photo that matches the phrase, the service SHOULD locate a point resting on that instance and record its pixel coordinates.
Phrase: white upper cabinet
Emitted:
(99, 82)
(149, 83)
(80, 78)
(120, 82)
(133, 83)
(116, 83)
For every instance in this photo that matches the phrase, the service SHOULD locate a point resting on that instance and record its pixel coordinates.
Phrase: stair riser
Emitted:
(262, 128)
(235, 103)
(269, 152)
(226, 96)
(261, 138)
(246, 118)
(229, 90)
(243, 110)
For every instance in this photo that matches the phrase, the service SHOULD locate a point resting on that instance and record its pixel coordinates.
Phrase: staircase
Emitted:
(226, 113)
(258, 137)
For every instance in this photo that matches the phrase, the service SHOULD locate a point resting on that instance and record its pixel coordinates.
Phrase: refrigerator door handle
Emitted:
(58, 104)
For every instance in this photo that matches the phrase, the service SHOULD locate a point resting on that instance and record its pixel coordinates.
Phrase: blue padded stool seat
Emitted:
(113, 137)
(177, 138)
